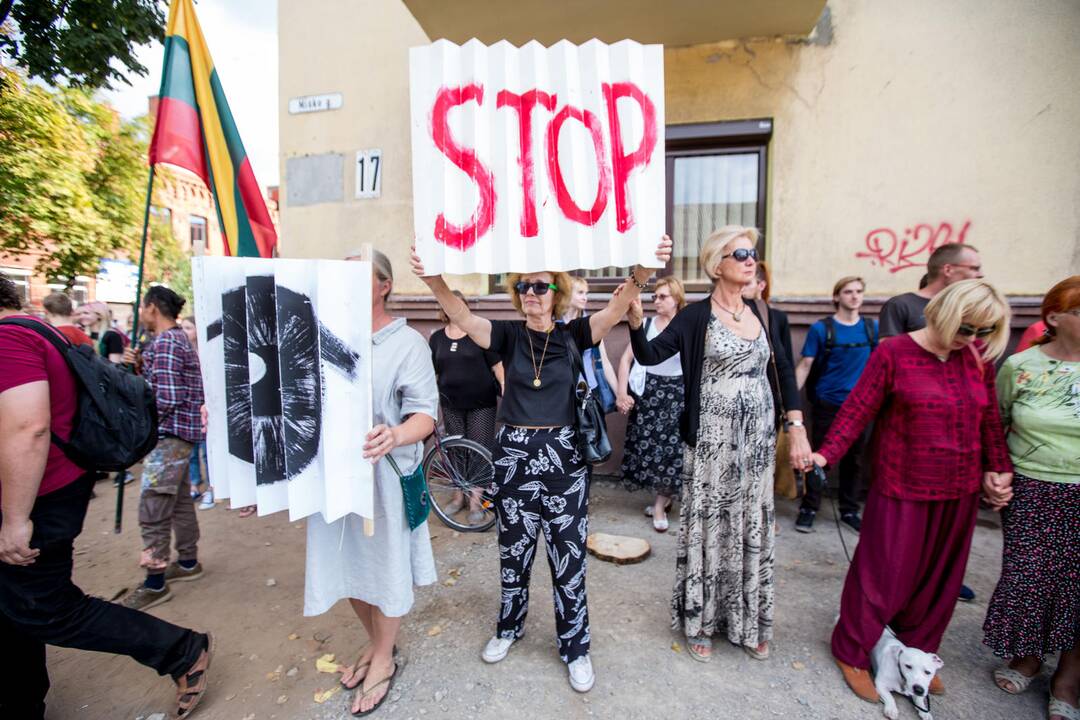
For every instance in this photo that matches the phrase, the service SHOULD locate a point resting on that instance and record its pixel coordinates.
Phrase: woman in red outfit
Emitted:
(938, 441)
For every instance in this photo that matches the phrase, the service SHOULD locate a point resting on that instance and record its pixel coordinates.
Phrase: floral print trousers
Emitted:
(541, 483)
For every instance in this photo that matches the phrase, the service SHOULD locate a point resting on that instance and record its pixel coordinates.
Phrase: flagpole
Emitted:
(121, 478)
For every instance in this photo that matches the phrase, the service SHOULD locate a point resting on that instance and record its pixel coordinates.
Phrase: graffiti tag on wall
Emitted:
(911, 248)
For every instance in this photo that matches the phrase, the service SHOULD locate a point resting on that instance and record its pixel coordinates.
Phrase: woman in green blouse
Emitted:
(1035, 609)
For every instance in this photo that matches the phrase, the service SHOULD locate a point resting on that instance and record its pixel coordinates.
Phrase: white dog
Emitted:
(908, 671)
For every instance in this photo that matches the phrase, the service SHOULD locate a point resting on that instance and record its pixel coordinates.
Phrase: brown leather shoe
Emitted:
(937, 687)
(859, 681)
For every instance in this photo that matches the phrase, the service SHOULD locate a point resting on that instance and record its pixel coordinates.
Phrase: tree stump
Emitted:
(618, 549)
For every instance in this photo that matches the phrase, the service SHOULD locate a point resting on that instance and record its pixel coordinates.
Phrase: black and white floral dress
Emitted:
(724, 562)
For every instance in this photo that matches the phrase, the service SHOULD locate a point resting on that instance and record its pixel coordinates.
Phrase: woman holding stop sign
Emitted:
(541, 480)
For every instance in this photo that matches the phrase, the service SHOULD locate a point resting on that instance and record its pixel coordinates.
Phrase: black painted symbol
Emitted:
(273, 379)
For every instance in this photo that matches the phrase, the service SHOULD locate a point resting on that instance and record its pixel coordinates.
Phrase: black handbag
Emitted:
(591, 429)
(414, 494)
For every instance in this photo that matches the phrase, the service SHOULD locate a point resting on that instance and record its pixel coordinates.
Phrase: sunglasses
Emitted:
(969, 330)
(741, 254)
(538, 288)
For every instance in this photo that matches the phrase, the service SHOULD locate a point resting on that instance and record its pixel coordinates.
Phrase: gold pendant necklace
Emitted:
(735, 315)
(537, 369)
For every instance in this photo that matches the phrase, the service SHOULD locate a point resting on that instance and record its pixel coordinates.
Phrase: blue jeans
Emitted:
(199, 473)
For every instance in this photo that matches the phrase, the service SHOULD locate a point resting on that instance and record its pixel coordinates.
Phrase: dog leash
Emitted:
(900, 672)
(821, 480)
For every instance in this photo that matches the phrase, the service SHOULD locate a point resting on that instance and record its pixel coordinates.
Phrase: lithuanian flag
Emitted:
(195, 130)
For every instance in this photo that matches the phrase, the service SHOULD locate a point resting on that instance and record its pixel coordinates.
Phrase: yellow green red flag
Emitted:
(195, 130)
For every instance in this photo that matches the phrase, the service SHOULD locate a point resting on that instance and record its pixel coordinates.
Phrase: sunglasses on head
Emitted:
(969, 330)
(741, 254)
(538, 288)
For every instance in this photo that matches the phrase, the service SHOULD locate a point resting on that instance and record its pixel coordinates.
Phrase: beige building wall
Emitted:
(917, 121)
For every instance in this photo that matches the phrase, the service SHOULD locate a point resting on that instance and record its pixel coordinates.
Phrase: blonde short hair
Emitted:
(577, 281)
(716, 245)
(977, 303)
(562, 281)
(675, 287)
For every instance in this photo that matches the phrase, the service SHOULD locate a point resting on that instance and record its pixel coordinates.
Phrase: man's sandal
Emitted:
(1017, 679)
(1062, 709)
(696, 654)
(388, 681)
(192, 684)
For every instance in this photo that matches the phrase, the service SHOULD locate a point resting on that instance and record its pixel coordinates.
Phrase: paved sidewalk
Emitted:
(639, 674)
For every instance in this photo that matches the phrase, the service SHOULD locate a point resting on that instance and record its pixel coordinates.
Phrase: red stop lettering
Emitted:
(622, 163)
(603, 180)
(523, 104)
(465, 236)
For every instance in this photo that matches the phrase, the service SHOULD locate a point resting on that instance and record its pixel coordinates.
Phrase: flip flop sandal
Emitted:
(660, 524)
(247, 511)
(389, 682)
(192, 685)
(1019, 680)
(755, 653)
(699, 643)
(357, 667)
(1063, 709)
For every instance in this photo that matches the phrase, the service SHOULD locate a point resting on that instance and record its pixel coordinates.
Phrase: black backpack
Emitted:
(115, 423)
(821, 360)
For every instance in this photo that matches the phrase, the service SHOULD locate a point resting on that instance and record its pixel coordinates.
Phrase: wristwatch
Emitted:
(788, 424)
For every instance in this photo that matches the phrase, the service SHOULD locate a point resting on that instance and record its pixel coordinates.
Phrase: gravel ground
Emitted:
(251, 598)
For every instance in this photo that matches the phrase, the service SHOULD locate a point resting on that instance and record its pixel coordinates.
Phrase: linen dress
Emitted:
(380, 570)
(725, 551)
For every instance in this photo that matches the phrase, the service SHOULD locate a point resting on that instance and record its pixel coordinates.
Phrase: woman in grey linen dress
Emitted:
(377, 573)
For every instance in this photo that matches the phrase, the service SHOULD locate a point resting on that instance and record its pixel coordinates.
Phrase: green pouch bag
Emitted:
(414, 494)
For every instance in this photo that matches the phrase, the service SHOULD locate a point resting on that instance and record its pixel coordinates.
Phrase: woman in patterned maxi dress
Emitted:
(734, 387)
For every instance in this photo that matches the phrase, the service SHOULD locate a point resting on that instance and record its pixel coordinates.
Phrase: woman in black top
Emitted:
(96, 319)
(470, 381)
(541, 481)
(738, 385)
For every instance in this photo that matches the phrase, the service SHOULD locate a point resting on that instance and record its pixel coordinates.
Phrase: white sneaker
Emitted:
(207, 500)
(582, 676)
(496, 649)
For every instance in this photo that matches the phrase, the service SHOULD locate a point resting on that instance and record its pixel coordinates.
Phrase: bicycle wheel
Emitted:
(459, 473)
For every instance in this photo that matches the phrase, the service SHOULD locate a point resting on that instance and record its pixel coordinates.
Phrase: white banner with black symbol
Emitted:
(286, 366)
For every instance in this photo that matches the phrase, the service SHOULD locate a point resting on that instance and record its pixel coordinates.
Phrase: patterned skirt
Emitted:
(653, 452)
(1035, 609)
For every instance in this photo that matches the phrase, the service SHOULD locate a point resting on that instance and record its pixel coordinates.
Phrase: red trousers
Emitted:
(906, 574)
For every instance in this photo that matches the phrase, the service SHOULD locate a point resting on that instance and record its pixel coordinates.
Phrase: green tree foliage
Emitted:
(166, 262)
(87, 43)
(72, 177)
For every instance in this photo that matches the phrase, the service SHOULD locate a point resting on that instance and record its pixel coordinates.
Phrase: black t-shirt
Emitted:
(551, 404)
(903, 314)
(111, 343)
(463, 371)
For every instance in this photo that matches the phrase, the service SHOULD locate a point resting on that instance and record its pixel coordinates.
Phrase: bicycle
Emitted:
(458, 468)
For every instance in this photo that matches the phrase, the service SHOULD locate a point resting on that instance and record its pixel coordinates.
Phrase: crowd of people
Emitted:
(714, 400)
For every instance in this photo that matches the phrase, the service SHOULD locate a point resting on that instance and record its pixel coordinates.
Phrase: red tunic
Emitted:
(936, 424)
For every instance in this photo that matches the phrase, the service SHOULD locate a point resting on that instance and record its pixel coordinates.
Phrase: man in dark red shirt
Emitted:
(58, 311)
(43, 502)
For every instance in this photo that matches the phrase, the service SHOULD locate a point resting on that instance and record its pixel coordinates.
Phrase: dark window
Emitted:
(716, 176)
(198, 230)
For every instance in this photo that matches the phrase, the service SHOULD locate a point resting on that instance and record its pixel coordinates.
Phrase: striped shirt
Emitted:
(171, 366)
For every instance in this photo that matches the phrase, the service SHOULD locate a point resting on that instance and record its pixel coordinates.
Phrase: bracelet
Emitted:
(639, 286)
(788, 424)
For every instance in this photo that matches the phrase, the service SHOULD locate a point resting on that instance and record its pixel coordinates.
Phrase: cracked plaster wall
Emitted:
(915, 112)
